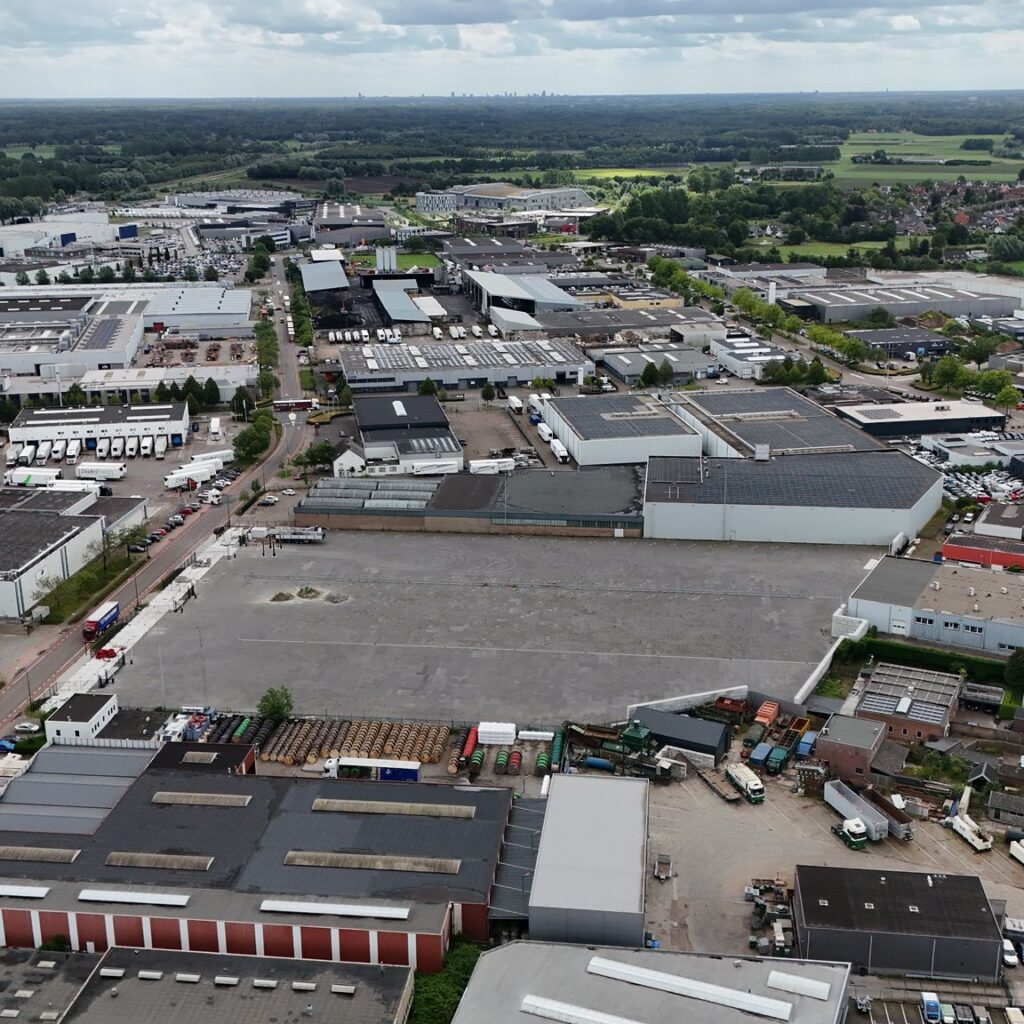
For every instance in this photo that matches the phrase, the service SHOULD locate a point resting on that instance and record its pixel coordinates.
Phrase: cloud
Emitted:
(336, 47)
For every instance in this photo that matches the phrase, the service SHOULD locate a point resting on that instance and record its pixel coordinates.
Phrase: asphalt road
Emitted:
(41, 670)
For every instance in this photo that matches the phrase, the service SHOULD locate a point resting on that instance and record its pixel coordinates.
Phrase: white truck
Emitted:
(131, 447)
(546, 433)
(161, 447)
(515, 405)
(747, 782)
(27, 455)
(102, 447)
(224, 454)
(560, 452)
(146, 448)
(117, 447)
(535, 405)
(490, 467)
(215, 431)
(179, 478)
(59, 449)
(31, 476)
(199, 472)
(43, 452)
(841, 798)
(477, 332)
(13, 452)
(100, 470)
(218, 463)
(74, 450)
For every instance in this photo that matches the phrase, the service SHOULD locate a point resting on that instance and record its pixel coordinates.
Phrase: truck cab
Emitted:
(930, 1012)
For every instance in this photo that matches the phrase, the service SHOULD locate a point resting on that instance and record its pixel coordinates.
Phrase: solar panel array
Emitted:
(102, 333)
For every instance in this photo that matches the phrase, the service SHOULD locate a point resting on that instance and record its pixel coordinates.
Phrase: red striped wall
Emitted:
(316, 943)
(278, 940)
(18, 928)
(355, 945)
(429, 953)
(393, 948)
(91, 928)
(166, 932)
(202, 937)
(241, 938)
(128, 931)
(53, 923)
(474, 921)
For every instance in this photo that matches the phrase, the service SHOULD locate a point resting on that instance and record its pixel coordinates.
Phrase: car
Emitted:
(1010, 958)
(195, 506)
(177, 520)
(271, 499)
(722, 380)
(289, 492)
(154, 537)
(955, 517)
(26, 728)
(162, 530)
(221, 484)
(185, 510)
(137, 549)
(106, 653)
(265, 501)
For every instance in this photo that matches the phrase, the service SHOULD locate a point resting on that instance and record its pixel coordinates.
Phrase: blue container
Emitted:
(602, 764)
(937, 557)
(806, 746)
(760, 753)
(399, 775)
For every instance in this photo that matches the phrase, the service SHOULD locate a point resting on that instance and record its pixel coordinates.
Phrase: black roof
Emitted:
(81, 707)
(25, 537)
(895, 902)
(877, 479)
(248, 843)
(376, 413)
(219, 758)
(675, 729)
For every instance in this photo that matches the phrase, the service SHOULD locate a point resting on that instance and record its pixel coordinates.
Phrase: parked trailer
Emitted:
(74, 450)
(967, 829)
(901, 825)
(841, 798)
(1017, 851)
(101, 620)
(300, 534)
(102, 447)
(160, 449)
(12, 455)
(131, 447)
(43, 452)
(59, 450)
(491, 466)
(716, 779)
(100, 470)
(146, 449)
(747, 782)
(27, 455)
(560, 452)
(515, 405)
(117, 447)
(31, 476)
(224, 454)
(546, 433)
(218, 464)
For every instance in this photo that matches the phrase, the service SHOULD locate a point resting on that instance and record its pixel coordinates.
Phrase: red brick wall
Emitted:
(429, 952)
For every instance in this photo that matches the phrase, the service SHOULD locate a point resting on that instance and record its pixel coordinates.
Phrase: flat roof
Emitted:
(34, 982)
(907, 583)
(876, 479)
(25, 535)
(522, 287)
(606, 417)
(898, 295)
(393, 295)
(39, 499)
(81, 707)
(219, 758)
(41, 303)
(914, 413)
(508, 974)
(916, 693)
(896, 902)
(167, 987)
(108, 333)
(610, 321)
(377, 413)
(469, 357)
(199, 299)
(910, 336)
(849, 731)
(778, 417)
(93, 415)
(323, 276)
(681, 358)
(607, 871)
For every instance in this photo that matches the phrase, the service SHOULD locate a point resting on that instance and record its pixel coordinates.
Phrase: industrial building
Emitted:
(594, 326)
(837, 498)
(971, 449)
(138, 385)
(325, 282)
(831, 305)
(696, 736)
(527, 293)
(914, 704)
(523, 980)
(898, 922)
(162, 986)
(987, 551)
(612, 429)
(399, 308)
(225, 863)
(591, 892)
(499, 195)
(848, 745)
(901, 342)
(81, 717)
(460, 366)
(628, 364)
(90, 424)
(948, 603)
(745, 357)
(69, 348)
(407, 435)
(910, 419)
(348, 224)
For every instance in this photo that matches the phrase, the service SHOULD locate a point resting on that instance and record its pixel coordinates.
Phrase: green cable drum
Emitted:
(501, 762)
(543, 763)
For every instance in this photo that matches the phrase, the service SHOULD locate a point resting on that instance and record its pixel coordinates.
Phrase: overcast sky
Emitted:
(142, 48)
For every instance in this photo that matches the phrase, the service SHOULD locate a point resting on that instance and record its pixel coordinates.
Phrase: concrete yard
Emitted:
(464, 628)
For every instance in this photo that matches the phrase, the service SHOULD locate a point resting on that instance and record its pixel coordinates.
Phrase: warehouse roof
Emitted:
(895, 902)
(777, 417)
(913, 414)
(607, 872)
(39, 499)
(221, 758)
(849, 731)
(633, 361)
(798, 991)
(896, 297)
(611, 321)
(26, 536)
(405, 412)
(681, 730)
(35, 982)
(323, 277)
(393, 295)
(513, 319)
(920, 694)
(44, 303)
(887, 480)
(911, 337)
(86, 416)
(196, 300)
(522, 287)
(81, 707)
(166, 987)
(618, 416)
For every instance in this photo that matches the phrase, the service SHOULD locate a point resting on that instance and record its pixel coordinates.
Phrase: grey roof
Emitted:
(248, 844)
(323, 277)
(920, 694)
(606, 872)
(511, 896)
(506, 975)
(851, 732)
(888, 480)
(197, 300)
(378, 996)
(778, 417)
(1000, 801)
(862, 900)
(27, 536)
(30, 988)
(595, 490)
(890, 758)
(897, 581)
(114, 509)
(38, 499)
(632, 361)
(44, 303)
(402, 411)
(682, 730)
(393, 295)
(521, 288)
(618, 416)
(81, 707)
(910, 336)
(89, 416)
(611, 321)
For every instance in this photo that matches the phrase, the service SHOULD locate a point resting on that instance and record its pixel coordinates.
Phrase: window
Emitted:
(1007, 647)
(904, 732)
(974, 629)
(951, 625)
(869, 906)
(924, 620)
(913, 909)
(918, 734)
(859, 771)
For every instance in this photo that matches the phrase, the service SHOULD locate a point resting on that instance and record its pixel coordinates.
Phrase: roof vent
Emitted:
(977, 607)
(150, 975)
(225, 979)
(913, 909)
(187, 979)
(869, 906)
(263, 983)
(303, 986)
(970, 591)
(343, 990)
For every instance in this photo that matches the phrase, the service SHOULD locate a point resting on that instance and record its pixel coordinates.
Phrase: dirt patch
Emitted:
(283, 595)
(308, 593)
(379, 184)
(337, 598)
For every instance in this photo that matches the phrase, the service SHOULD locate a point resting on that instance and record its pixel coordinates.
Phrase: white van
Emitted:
(1010, 958)
(546, 433)
(438, 334)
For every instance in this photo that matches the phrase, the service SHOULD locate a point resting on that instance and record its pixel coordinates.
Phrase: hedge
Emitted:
(982, 670)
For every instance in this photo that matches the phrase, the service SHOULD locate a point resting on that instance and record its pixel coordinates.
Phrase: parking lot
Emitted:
(467, 627)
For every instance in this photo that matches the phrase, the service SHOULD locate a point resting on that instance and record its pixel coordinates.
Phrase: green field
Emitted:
(405, 260)
(909, 144)
(630, 172)
(17, 152)
(830, 248)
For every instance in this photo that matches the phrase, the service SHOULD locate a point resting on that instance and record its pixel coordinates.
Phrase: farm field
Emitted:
(631, 172)
(910, 144)
(405, 259)
(831, 248)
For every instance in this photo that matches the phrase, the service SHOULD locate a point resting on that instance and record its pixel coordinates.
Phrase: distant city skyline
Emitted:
(325, 48)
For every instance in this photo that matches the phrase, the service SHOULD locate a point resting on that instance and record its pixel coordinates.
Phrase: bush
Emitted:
(982, 670)
(436, 996)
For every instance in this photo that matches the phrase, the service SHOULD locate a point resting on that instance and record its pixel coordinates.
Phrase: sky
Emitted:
(197, 48)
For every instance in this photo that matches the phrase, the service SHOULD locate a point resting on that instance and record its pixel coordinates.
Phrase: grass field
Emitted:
(832, 248)
(907, 144)
(405, 260)
(17, 152)
(630, 172)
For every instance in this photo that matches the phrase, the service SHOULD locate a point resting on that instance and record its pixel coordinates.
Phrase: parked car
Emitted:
(137, 549)
(154, 537)
(289, 491)
(177, 520)
(26, 728)
(1010, 958)
(185, 510)
(195, 506)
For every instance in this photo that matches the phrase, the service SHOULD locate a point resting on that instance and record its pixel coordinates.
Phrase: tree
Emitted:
(128, 274)
(161, 393)
(816, 372)
(1013, 674)
(211, 393)
(211, 273)
(86, 275)
(319, 453)
(649, 376)
(487, 393)
(75, 396)
(21, 278)
(106, 275)
(666, 373)
(345, 396)
(1007, 398)
(947, 371)
(276, 703)
(926, 368)
(267, 382)
(266, 242)
(251, 443)
(191, 274)
(42, 277)
(977, 350)
(427, 387)
(242, 402)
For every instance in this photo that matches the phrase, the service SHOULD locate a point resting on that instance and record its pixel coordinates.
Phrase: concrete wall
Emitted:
(589, 927)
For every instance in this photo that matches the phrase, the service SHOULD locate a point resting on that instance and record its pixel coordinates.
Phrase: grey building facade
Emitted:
(897, 922)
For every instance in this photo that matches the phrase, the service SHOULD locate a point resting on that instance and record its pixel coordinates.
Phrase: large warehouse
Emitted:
(335, 869)
(849, 304)
(898, 922)
(92, 423)
(609, 430)
(591, 892)
(950, 604)
(528, 293)
(838, 498)
(520, 981)
(910, 419)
